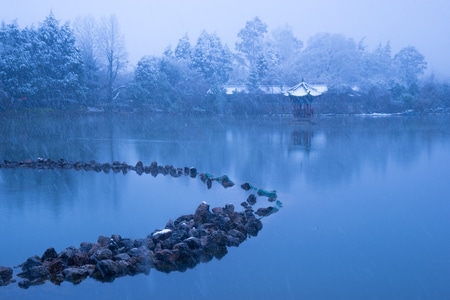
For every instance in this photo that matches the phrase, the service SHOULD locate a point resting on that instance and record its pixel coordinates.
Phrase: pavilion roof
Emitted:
(303, 89)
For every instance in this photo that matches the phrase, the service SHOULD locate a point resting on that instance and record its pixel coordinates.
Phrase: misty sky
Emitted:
(150, 26)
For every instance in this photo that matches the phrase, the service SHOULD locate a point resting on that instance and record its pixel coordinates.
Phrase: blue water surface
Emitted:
(365, 202)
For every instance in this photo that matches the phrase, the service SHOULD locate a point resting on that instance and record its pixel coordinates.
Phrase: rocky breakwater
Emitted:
(117, 167)
(182, 244)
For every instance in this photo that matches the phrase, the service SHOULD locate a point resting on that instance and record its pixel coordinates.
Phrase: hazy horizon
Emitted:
(150, 27)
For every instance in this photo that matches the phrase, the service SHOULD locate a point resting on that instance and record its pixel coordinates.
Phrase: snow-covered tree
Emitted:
(252, 46)
(212, 59)
(183, 49)
(377, 67)
(17, 66)
(252, 39)
(282, 52)
(58, 61)
(41, 63)
(149, 83)
(332, 59)
(409, 64)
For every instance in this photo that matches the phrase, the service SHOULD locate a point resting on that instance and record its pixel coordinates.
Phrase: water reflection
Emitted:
(333, 154)
(301, 140)
(330, 151)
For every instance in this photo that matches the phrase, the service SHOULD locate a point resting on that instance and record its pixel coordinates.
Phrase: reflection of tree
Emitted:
(254, 150)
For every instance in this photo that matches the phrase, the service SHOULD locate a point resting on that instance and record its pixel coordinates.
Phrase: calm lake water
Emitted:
(366, 202)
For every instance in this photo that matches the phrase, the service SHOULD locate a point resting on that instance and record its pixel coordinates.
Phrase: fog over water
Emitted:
(151, 26)
(365, 203)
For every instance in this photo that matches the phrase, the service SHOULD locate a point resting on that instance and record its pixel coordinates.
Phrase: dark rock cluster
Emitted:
(5, 275)
(182, 244)
(153, 168)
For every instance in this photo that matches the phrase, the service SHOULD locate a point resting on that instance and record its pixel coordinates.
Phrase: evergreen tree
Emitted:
(409, 64)
(184, 48)
(42, 63)
(252, 39)
(212, 59)
(17, 63)
(252, 45)
(59, 65)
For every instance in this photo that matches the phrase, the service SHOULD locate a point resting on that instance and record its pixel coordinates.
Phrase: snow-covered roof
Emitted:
(229, 90)
(266, 89)
(303, 89)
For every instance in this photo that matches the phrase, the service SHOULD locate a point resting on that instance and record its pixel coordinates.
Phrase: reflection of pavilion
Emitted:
(302, 96)
(301, 140)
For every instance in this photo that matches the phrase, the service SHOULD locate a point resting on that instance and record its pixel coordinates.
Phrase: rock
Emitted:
(85, 247)
(246, 186)
(219, 237)
(253, 227)
(30, 263)
(116, 166)
(34, 271)
(97, 167)
(113, 246)
(182, 244)
(134, 252)
(162, 234)
(229, 208)
(225, 181)
(235, 237)
(217, 210)
(107, 270)
(102, 254)
(125, 245)
(75, 275)
(77, 166)
(49, 254)
(67, 254)
(154, 169)
(79, 258)
(266, 211)
(193, 242)
(269, 194)
(121, 256)
(106, 167)
(186, 171)
(165, 259)
(103, 241)
(251, 199)
(162, 170)
(24, 284)
(5, 275)
(172, 171)
(212, 248)
(202, 213)
(139, 168)
(125, 168)
(55, 266)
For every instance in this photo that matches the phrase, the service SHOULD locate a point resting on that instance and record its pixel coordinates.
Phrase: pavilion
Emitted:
(302, 96)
